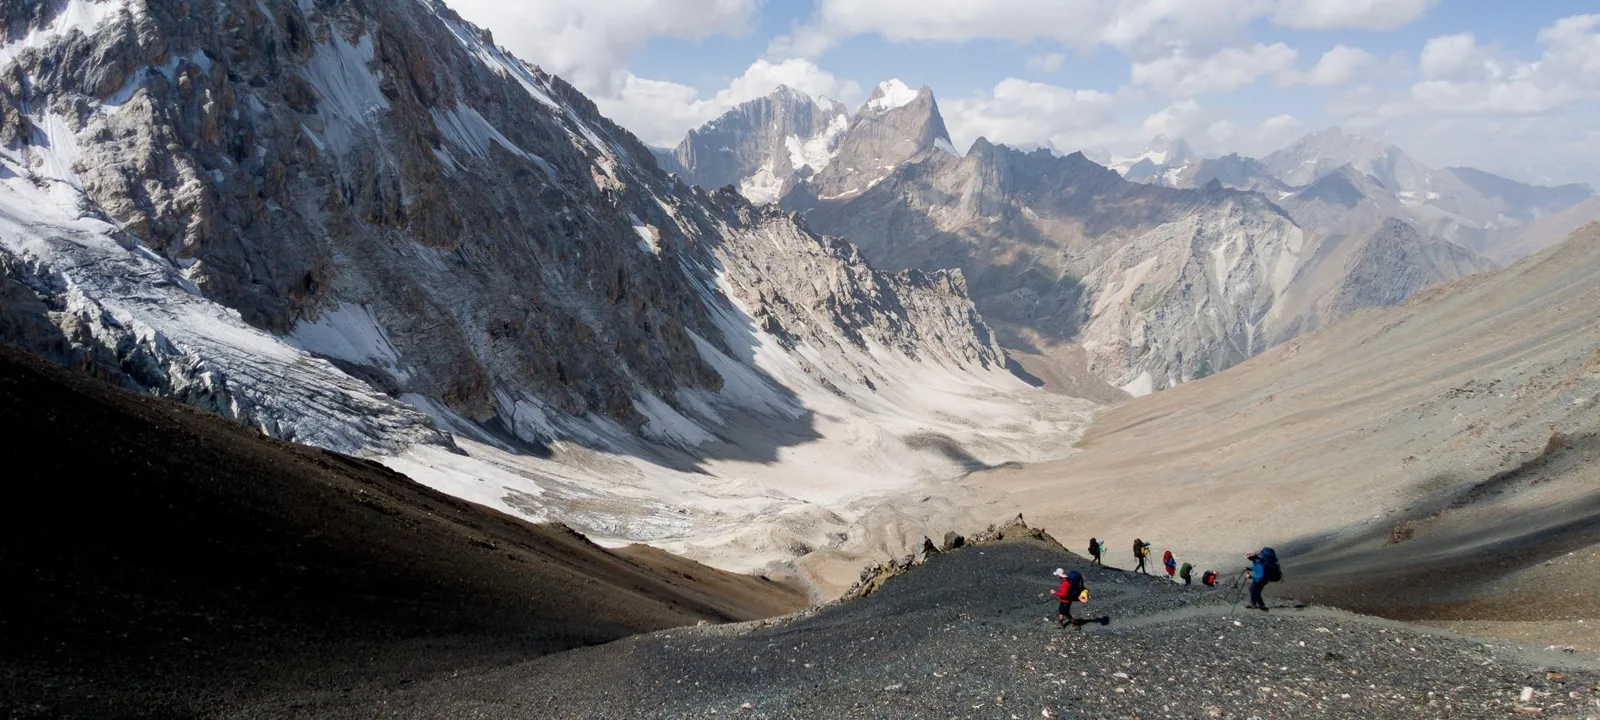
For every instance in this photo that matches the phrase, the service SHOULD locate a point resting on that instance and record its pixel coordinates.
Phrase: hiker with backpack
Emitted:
(1185, 572)
(1209, 578)
(1141, 551)
(1073, 589)
(1095, 549)
(1263, 569)
(1170, 563)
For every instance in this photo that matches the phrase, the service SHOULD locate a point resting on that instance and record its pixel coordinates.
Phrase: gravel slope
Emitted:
(967, 635)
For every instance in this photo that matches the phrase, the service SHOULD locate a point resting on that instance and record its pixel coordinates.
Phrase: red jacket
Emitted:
(1065, 591)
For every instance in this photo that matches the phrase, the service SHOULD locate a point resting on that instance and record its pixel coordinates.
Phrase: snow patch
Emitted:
(350, 333)
(762, 188)
(349, 90)
(818, 151)
(1141, 386)
(84, 16)
(945, 145)
(648, 241)
(891, 94)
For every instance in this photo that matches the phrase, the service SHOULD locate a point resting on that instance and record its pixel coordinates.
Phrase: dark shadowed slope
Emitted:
(161, 561)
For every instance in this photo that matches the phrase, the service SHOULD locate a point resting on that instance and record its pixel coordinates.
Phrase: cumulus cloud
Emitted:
(1128, 25)
(1271, 134)
(1356, 14)
(1026, 113)
(588, 43)
(1338, 66)
(1182, 74)
(1461, 77)
(1047, 62)
(661, 112)
(1447, 55)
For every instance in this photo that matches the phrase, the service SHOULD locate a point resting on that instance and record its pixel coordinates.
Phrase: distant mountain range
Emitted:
(1478, 210)
(1158, 268)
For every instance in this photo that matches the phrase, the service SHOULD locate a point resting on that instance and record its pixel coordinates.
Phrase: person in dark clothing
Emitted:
(1072, 589)
(1094, 552)
(1263, 569)
(1141, 552)
(1209, 577)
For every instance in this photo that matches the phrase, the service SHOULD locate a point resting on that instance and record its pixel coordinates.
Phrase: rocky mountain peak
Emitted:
(762, 145)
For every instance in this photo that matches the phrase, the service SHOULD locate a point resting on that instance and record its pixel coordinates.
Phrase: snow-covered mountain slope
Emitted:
(323, 219)
(1159, 285)
(762, 145)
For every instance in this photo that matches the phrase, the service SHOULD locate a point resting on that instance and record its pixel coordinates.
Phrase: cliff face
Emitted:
(764, 145)
(369, 202)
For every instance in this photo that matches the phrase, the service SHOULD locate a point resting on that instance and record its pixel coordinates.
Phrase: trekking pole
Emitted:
(1238, 587)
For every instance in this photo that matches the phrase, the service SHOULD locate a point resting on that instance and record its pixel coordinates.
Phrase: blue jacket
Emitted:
(1258, 569)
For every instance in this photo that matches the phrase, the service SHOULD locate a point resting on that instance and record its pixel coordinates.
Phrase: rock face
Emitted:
(304, 214)
(760, 146)
(895, 125)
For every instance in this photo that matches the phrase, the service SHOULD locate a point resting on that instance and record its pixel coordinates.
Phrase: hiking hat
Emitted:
(1060, 573)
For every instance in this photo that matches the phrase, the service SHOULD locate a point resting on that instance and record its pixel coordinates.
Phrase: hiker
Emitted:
(1185, 573)
(1263, 569)
(1170, 563)
(1072, 590)
(1141, 551)
(1209, 578)
(1095, 548)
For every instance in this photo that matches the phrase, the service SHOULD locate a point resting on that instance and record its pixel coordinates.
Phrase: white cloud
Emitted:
(587, 42)
(1447, 55)
(661, 112)
(1338, 66)
(1358, 14)
(1271, 134)
(1184, 75)
(1025, 113)
(1129, 25)
(1047, 62)
(1464, 78)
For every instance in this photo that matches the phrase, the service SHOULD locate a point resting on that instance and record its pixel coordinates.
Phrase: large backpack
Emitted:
(1269, 564)
(1185, 571)
(1094, 546)
(1209, 578)
(1076, 589)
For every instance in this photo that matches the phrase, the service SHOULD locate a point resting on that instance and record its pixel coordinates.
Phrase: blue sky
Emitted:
(1507, 86)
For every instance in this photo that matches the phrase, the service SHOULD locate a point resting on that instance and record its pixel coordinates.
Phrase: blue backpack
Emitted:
(1269, 564)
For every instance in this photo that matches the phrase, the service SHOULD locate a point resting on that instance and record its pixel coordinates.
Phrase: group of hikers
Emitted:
(1263, 569)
